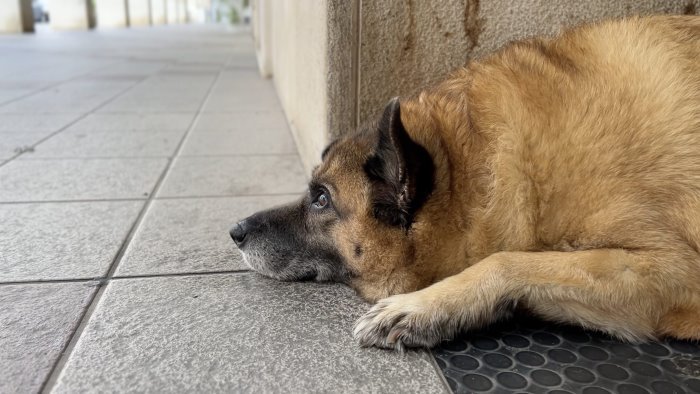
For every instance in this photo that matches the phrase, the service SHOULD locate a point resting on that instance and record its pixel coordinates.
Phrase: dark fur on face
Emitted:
(378, 175)
(290, 243)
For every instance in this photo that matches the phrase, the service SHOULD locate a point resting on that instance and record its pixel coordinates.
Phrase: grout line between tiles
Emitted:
(438, 371)
(180, 274)
(74, 121)
(53, 85)
(217, 156)
(193, 197)
(60, 363)
(101, 281)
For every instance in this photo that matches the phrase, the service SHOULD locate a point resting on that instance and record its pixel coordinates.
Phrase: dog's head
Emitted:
(357, 223)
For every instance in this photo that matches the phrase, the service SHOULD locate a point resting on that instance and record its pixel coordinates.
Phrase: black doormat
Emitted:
(531, 356)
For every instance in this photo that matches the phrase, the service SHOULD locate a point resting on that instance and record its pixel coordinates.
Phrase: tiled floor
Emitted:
(125, 156)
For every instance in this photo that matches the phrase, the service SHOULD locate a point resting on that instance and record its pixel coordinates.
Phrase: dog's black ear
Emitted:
(401, 171)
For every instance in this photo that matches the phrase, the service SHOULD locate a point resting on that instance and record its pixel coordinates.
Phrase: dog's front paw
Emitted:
(406, 320)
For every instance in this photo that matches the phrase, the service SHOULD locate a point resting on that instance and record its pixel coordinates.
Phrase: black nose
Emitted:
(238, 233)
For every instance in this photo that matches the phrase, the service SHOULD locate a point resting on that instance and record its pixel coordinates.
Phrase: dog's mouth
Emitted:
(272, 266)
(285, 244)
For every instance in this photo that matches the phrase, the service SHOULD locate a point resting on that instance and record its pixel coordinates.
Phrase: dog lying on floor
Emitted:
(561, 175)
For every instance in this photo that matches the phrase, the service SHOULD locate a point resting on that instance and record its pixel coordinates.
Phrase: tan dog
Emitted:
(560, 175)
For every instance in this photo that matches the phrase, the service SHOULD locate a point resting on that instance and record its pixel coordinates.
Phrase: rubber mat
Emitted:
(531, 356)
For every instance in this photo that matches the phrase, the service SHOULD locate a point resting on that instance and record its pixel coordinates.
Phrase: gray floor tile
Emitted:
(62, 240)
(36, 321)
(131, 68)
(18, 123)
(78, 179)
(159, 101)
(12, 94)
(134, 122)
(13, 143)
(108, 144)
(191, 235)
(249, 142)
(244, 121)
(234, 333)
(232, 176)
(78, 97)
(221, 100)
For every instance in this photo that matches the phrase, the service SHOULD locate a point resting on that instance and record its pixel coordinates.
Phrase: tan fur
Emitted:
(567, 180)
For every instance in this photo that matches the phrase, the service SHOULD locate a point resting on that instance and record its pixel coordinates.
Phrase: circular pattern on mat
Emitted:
(528, 355)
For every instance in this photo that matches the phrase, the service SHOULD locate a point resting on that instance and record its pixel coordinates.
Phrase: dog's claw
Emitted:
(398, 322)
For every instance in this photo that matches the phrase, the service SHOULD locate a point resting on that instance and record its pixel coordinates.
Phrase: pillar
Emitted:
(112, 13)
(72, 14)
(171, 12)
(16, 16)
(182, 11)
(139, 12)
(262, 34)
(158, 12)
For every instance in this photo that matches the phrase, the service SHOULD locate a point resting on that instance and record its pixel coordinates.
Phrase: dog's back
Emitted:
(597, 136)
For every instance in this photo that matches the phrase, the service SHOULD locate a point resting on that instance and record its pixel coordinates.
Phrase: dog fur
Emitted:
(561, 175)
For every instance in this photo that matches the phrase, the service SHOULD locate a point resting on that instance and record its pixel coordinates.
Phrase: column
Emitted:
(112, 13)
(262, 34)
(158, 12)
(16, 16)
(139, 12)
(171, 12)
(72, 14)
(182, 11)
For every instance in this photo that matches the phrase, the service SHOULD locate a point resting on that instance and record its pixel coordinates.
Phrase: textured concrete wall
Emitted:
(299, 69)
(16, 16)
(112, 13)
(408, 44)
(139, 12)
(72, 14)
(337, 63)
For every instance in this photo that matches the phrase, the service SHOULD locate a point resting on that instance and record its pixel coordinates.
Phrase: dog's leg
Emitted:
(621, 292)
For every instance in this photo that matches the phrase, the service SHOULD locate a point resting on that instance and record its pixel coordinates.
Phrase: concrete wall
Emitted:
(72, 14)
(406, 45)
(16, 16)
(303, 99)
(337, 63)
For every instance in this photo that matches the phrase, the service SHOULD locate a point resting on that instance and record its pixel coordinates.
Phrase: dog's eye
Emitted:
(321, 201)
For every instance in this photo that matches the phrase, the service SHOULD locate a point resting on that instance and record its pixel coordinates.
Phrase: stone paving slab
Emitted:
(78, 179)
(241, 121)
(36, 321)
(62, 240)
(191, 235)
(249, 142)
(234, 333)
(79, 144)
(19, 123)
(69, 97)
(7, 94)
(233, 176)
(134, 122)
(13, 143)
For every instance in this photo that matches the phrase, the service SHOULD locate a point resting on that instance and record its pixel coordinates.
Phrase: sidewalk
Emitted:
(124, 158)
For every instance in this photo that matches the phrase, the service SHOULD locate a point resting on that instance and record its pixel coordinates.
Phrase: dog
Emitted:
(559, 175)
